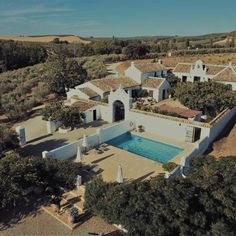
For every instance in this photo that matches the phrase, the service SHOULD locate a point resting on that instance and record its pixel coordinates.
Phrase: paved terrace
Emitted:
(135, 167)
(38, 140)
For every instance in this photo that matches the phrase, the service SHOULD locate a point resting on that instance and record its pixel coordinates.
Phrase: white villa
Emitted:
(200, 72)
(149, 77)
(186, 130)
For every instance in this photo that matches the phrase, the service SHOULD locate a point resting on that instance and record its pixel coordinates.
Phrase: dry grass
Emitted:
(45, 39)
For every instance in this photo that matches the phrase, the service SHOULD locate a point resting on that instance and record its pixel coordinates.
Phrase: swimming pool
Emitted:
(145, 147)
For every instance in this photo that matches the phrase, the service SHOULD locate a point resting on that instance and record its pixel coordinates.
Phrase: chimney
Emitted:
(132, 63)
(159, 61)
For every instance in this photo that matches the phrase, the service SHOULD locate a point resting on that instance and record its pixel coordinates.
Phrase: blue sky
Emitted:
(116, 17)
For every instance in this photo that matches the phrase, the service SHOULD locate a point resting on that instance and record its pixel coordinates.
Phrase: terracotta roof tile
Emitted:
(152, 82)
(106, 84)
(183, 68)
(125, 65)
(228, 75)
(214, 69)
(150, 67)
(89, 92)
(186, 113)
(84, 105)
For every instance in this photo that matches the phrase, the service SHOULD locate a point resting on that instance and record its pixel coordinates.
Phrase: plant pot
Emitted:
(63, 130)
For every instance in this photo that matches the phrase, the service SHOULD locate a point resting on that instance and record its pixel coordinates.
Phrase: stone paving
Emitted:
(38, 140)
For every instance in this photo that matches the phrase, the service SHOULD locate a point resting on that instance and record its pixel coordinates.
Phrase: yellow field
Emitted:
(45, 39)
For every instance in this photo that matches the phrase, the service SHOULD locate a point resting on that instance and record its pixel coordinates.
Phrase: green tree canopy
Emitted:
(61, 74)
(18, 173)
(8, 138)
(209, 97)
(68, 116)
(135, 50)
(201, 204)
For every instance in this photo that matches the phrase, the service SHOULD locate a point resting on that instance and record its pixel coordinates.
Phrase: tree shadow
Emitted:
(11, 216)
(47, 145)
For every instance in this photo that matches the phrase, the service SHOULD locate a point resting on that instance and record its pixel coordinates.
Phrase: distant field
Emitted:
(45, 39)
(223, 58)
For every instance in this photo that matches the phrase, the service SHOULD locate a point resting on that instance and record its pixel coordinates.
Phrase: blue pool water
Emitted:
(145, 147)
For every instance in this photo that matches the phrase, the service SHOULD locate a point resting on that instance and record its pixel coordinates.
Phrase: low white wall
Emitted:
(89, 114)
(116, 130)
(160, 126)
(220, 124)
(52, 126)
(208, 138)
(70, 150)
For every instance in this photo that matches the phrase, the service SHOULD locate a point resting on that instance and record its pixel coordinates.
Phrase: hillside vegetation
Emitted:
(46, 38)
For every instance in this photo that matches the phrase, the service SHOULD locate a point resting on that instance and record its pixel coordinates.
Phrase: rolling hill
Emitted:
(46, 38)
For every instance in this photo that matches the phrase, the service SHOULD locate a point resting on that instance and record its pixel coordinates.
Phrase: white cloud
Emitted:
(38, 9)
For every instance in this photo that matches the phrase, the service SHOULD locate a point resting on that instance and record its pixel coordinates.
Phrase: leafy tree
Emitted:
(201, 204)
(135, 50)
(67, 116)
(14, 55)
(17, 174)
(8, 138)
(62, 74)
(16, 106)
(209, 97)
(173, 80)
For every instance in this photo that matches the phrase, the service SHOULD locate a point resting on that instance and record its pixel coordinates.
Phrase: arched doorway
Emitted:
(119, 110)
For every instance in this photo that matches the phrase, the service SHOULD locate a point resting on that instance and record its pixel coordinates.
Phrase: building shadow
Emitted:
(37, 148)
(39, 138)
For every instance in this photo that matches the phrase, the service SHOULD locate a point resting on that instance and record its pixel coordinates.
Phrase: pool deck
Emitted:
(135, 167)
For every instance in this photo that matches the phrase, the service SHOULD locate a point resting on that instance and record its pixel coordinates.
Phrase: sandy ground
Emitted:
(42, 224)
(225, 146)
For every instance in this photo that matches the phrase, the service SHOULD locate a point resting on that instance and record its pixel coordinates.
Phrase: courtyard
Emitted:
(134, 167)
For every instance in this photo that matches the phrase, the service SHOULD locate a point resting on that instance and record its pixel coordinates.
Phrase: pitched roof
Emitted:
(106, 84)
(183, 68)
(89, 92)
(125, 65)
(214, 69)
(153, 82)
(228, 75)
(210, 69)
(150, 67)
(84, 105)
(184, 112)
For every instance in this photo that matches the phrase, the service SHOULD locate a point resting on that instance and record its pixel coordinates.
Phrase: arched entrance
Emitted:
(119, 110)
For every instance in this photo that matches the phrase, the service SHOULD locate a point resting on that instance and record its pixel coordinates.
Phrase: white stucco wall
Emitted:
(160, 126)
(89, 114)
(70, 150)
(134, 73)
